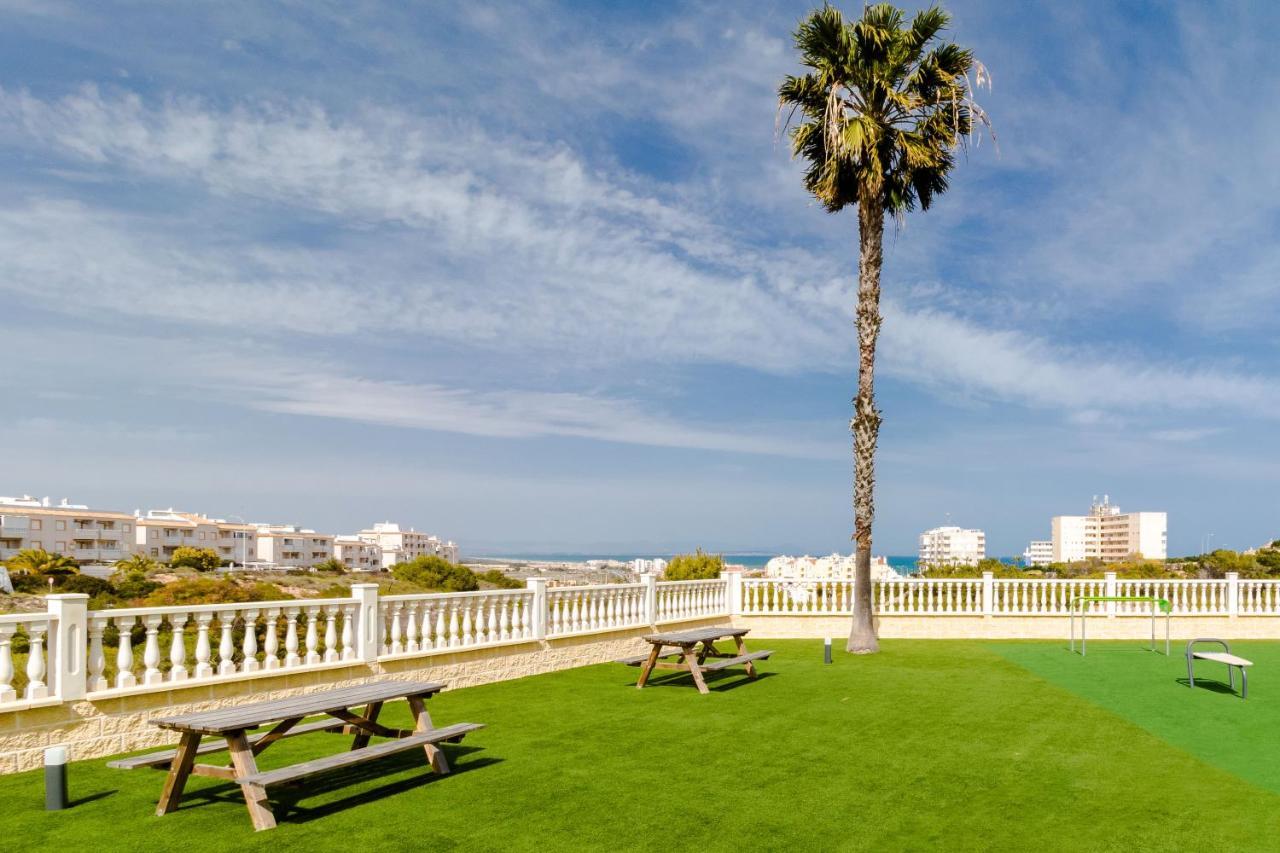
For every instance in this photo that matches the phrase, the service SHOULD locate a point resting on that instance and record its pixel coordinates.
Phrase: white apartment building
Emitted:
(288, 546)
(401, 546)
(1038, 553)
(1109, 535)
(88, 535)
(162, 531)
(952, 546)
(655, 566)
(357, 554)
(834, 567)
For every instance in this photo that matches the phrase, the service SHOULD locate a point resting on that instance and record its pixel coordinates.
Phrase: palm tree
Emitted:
(32, 561)
(136, 563)
(878, 117)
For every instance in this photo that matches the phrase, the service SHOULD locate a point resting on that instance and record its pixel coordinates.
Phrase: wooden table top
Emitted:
(696, 635)
(222, 720)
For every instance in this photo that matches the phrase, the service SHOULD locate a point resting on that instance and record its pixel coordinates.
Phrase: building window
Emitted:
(59, 546)
(155, 534)
(155, 552)
(128, 527)
(59, 525)
(36, 524)
(37, 545)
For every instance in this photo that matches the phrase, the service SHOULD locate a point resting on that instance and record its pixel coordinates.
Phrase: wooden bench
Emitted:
(307, 769)
(1233, 662)
(638, 660)
(161, 760)
(724, 663)
(232, 725)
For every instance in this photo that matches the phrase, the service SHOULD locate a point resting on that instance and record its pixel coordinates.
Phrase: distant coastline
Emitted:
(904, 564)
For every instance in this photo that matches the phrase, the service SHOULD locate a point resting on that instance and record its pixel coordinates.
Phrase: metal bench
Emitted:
(1233, 663)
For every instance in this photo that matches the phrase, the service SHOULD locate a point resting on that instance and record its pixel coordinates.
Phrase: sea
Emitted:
(904, 565)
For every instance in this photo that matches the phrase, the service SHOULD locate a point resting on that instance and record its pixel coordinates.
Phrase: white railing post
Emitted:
(733, 592)
(650, 581)
(367, 619)
(988, 594)
(1109, 590)
(68, 646)
(538, 609)
(1233, 594)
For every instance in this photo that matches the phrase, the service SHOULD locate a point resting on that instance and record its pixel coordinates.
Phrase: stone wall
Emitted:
(98, 727)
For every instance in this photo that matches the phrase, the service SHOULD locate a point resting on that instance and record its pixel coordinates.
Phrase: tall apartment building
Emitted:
(290, 547)
(1038, 553)
(162, 531)
(401, 546)
(952, 546)
(357, 555)
(1109, 535)
(88, 535)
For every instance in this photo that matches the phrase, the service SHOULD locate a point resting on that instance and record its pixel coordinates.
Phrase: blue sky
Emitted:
(542, 277)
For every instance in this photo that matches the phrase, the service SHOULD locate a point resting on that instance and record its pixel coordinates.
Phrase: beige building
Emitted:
(952, 546)
(357, 555)
(162, 531)
(87, 535)
(834, 567)
(1109, 535)
(401, 546)
(291, 547)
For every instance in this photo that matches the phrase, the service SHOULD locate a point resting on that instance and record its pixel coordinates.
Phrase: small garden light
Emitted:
(55, 778)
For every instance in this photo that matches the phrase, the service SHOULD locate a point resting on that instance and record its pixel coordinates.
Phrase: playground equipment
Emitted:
(1085, 601)
(1232, 661)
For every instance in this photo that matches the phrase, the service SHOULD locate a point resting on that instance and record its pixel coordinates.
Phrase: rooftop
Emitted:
(930, 744)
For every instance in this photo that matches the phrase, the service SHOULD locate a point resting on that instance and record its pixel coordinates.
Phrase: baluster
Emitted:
(151, 652)
(97, 660)
(396, 645)
(271, 642)
(348, 644)
(468, 625)
(491, 633)
(177, 648)
(226, 646)
(313, 639)
(331, 634)
(203, 668)
(249, 646)
(291, 638)
(442, 631)
(411, 642)
(575, 612)
(504, 628)
(7, 693)
(36, 688)
(454, 638)
(124, 653)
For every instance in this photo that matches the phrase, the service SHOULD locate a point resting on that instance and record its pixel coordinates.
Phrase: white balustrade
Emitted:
(680, 600)
(242, 630)
(417, 624)
(586, 609)
(35, 627)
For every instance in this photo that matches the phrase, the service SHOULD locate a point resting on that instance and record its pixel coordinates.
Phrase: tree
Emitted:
(694, 567)
(135, 564)
(882, 110)
(33, 561)
(200, 559)
(435, 572)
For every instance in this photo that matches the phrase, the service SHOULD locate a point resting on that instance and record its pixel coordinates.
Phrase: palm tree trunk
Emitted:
(866, 419)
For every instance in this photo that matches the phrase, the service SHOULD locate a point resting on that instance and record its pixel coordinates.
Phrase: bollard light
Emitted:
(826, 650)
(55, 778)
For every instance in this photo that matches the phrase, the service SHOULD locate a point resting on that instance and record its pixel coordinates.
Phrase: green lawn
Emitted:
(928, 745)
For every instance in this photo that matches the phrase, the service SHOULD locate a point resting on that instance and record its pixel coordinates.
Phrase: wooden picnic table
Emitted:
(234, 723)
(693, 660)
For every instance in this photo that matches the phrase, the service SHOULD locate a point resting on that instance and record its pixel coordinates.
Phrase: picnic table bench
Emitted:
(693, 660)
(233, 724)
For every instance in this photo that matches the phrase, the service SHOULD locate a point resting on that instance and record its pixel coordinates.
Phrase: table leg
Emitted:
(742, 650)
(371, 712)
(179, 771)
(695, 669)
(255, 796)
(654, 654)
(422, 723)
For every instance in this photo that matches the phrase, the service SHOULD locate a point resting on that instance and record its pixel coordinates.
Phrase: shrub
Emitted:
(86, 584)
(437, 573)
(200, 559)
(211, 591)
(694, 567)
(131, 585)
(32, 561)
(331, 566)
(501, 581)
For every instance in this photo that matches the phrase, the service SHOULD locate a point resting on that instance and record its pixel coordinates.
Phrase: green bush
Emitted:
(200, 559)
(331, 566)
(436, 573)
(211, 591)
(501, 581)
(694, 567)
(132, 585)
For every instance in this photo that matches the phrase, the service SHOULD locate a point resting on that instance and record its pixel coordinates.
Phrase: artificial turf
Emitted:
(928, 745)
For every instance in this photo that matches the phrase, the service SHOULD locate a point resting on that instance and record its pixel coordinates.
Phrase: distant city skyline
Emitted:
(550, 282)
